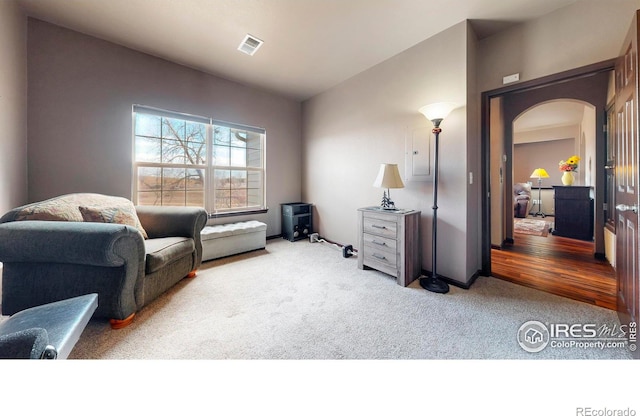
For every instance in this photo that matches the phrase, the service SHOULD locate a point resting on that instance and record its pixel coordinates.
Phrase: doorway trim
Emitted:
(486, 97)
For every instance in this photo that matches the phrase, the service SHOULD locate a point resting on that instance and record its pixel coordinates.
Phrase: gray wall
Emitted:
(351, 129)
(473, 183)
(13, 106)
(547, 155)
(583, 33)
(81, 90)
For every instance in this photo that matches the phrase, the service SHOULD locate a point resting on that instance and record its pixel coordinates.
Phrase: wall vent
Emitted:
(249, 45)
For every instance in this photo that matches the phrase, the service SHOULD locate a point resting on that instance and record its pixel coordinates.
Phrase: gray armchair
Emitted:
(48, 331)
(521, 200)
(47, 261)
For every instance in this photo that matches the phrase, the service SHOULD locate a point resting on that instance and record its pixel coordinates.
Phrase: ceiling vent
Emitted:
(249, 45)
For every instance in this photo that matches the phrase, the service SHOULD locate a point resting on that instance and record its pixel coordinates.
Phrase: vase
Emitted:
(567, 178)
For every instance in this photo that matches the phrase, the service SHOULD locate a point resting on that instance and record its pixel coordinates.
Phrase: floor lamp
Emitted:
(436, 113)
(539, 174)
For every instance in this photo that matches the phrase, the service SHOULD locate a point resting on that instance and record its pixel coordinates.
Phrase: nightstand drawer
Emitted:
(375, 258)
(380, 227)
(376, 243)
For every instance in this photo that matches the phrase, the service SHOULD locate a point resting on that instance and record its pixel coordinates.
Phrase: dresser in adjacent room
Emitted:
(573, 212)
(388, 241)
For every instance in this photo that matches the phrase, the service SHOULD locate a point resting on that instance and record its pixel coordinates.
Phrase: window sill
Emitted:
(238, 213)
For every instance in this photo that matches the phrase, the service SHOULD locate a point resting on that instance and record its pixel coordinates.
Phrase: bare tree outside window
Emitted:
(180, 147)
(171, 164)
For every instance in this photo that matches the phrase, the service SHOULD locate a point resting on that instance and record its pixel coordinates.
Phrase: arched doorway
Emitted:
(504, 109)
(543, 136)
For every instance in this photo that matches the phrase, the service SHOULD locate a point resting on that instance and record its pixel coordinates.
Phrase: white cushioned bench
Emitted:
(223, 240)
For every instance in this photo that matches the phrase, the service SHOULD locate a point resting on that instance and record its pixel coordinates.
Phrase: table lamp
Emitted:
(388, 177)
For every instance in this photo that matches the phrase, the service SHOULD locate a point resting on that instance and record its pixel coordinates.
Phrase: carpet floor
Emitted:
(304, 300)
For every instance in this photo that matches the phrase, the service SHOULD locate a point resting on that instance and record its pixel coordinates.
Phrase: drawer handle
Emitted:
(380, 243)
(382, 227)
(378, 256)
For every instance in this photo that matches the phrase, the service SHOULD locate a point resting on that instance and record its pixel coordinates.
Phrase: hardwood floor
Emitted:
(558, 265)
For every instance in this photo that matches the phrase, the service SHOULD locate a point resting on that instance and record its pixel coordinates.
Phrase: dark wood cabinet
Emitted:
(573, 212)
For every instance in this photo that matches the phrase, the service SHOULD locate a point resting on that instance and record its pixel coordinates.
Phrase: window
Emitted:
(195, 161)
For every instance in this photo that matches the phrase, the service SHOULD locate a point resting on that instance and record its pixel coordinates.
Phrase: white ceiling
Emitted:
(309, 45)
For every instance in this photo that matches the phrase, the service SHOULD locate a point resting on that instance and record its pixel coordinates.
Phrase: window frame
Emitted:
(209, 167)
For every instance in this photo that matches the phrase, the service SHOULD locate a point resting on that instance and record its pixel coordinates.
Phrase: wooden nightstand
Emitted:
(389, 241)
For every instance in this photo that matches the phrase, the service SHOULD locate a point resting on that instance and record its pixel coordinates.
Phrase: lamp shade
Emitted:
(388, 177)
(438, 111)
(539, 173)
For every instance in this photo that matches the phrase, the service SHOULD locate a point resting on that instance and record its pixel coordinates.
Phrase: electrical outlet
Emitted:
(314, 237)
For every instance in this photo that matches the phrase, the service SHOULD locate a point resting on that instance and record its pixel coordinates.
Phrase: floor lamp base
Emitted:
(542, 214)
(434, 285)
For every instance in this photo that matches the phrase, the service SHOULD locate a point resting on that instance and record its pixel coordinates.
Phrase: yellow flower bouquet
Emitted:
(570, 165)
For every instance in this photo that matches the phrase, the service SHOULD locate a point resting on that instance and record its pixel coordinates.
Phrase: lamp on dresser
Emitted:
(436, 113)
(388, 177)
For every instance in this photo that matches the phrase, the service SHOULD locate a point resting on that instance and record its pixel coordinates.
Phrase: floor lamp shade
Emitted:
(438, 111)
